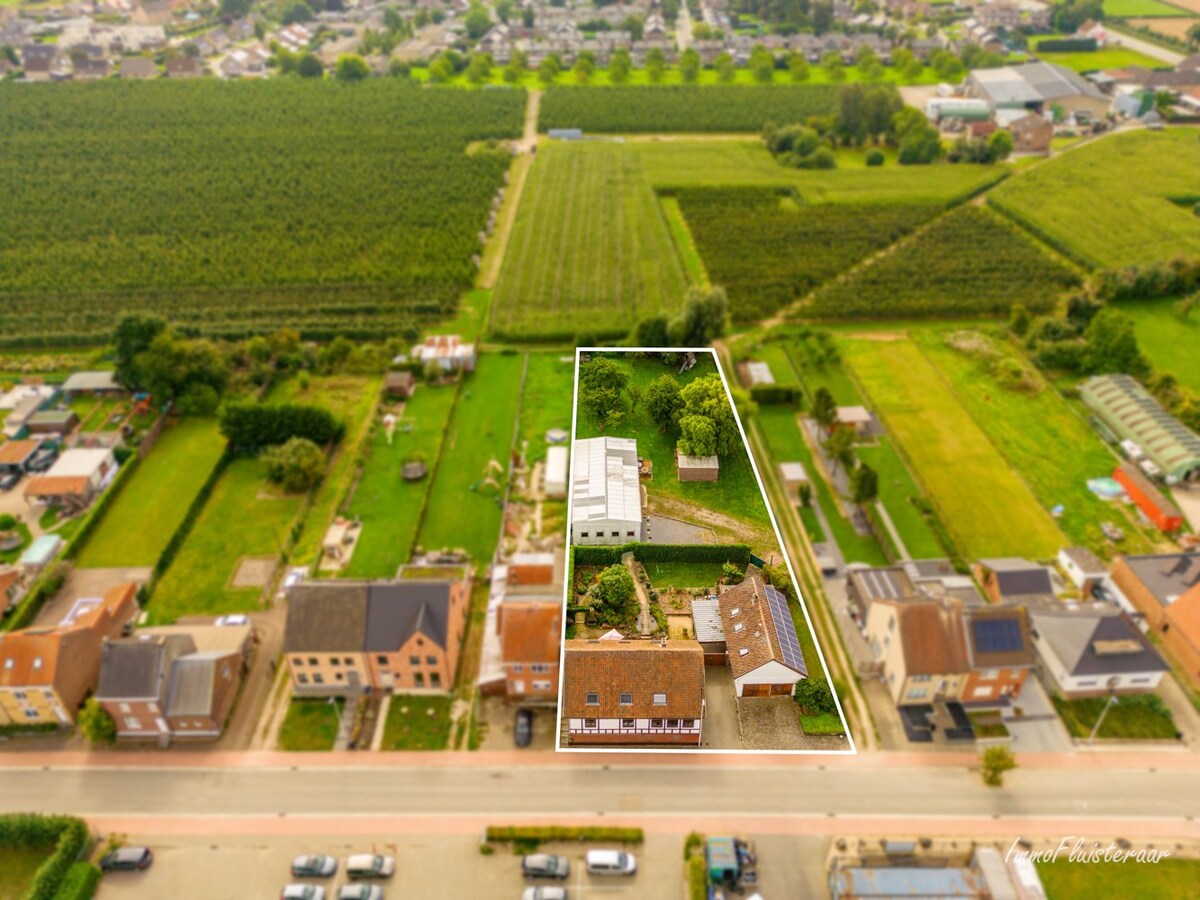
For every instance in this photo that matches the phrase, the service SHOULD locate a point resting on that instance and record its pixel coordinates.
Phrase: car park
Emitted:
(302, 892)
(611, 862)
(127, 859)
(370, 865)
(360, 892)
(313, 866)
(545, 865)
(544, 893)
(523, 728)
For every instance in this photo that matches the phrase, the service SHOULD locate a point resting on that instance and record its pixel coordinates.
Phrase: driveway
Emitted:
(498, 719)
(1038, 729)
(86, 583)
(666, 530)
(720, 729)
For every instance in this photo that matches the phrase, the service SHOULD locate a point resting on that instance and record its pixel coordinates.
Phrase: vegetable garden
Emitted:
(237, 208)
(968, 261)
(683, 108)
(767, 250)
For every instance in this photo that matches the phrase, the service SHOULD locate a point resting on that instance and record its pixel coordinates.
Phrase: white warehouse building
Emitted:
(606, 495)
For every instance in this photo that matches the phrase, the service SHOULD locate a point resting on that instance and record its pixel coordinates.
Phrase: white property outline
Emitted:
(852, 750)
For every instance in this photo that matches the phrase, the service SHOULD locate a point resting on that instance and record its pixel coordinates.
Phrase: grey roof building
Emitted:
(1128, 410)
(606, 494)
(1036, 86)
(138, 668)
(1093, 648)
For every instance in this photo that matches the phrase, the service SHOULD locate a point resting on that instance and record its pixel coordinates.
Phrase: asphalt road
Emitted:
(418, 791)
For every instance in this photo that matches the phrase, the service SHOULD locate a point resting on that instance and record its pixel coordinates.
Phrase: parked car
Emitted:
(127, 859)
(302, 892)
(9, 481)
(544, 893)
(233, 619)
(370, 865)
(42, 460)
(523, 729)
(545, 865)
(313, 866)
(360, 892)
(610, 862)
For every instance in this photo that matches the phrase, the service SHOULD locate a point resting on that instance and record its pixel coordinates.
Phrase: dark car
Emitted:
(545, 865)
(42, 460)
(127, 859)
(523, 730)
(9, 481)
(313, 866)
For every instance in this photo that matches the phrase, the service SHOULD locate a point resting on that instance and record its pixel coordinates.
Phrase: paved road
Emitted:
(747, 790)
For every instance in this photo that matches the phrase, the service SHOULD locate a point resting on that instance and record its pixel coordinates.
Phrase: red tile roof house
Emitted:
(633, 693)
(530, 640)
(761, 645)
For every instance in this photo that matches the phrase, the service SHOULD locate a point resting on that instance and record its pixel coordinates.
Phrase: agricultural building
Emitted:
(1037, 87)
(856, 418)
(760, 639)
(1150, 500)
(1126, 409)
(448, 351)
(91, 383)
(554, 481)
(697, 468)
(606, 496)
(399, 384)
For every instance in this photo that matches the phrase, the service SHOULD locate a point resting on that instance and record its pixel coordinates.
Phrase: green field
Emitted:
(1168, 341)
(154, 499)
(665, 575)
(462, 511)
(1108, 57)
(1065, 880)
(1053, 449)
(980, 499)
(388, 506)
(1141, 9)
(546, 403)
(310, 725)
(417, 723)
(590, 250)
(897, 490)
(1110, 203)
(241, 518)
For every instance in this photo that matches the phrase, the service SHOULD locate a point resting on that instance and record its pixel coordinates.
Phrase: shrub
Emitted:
(296, 465)
(67, 835)
(874, 158)
(545, 834)
(96, 724)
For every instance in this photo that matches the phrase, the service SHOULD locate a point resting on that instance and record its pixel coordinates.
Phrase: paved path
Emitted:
(645, 622)
(1170, 57)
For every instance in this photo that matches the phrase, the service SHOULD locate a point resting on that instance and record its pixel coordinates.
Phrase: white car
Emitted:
(544, 893)
(233, 619)
(360, 892)
(303, 892)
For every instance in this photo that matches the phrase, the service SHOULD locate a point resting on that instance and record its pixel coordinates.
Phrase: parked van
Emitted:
(610, 862)
(370, 865)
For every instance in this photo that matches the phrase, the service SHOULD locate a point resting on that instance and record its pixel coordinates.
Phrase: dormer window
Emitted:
(736, 610)
(739, 626)
(37, 662)
(743, 651)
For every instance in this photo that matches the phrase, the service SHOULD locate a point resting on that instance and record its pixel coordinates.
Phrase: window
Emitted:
(517, 668)
(303, 679)
(132, 722)
(616, 534)
(990, 675)
(917, 694)
(419, 680)
(122, 707)
(739, 626)
(584, 534)
(297, 661)
(589, 723)
(1139, 680)
(541, 685)
(381, 659)
(656, 723)
(153, 707)
(689, 723)
(318, 678)
(626, 700)
(539, 668)
(431, 661)
(672, 723)
(629, 534)
(420, 642)
(312, 661)
(922, 678)
(736, 610)
(335, 661)
(891, 623)
(627, 723)
(414, 660)
(660, 699)
(435, 679)
(37, 662)
(338, 676)
(20, 695)
(348, 661)
(592, 699)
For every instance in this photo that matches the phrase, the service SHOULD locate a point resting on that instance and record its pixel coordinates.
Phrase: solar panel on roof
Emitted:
(789, 644)
(996, 635)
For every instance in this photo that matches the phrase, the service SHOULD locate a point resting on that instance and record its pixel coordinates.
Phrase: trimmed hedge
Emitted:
(249, 427)
(80, 884)
(697, 874)
(738, 554)
(773, 393)
(1067, 45)
(544, 834)
(28, 728)
(68, 836)
(96, 513)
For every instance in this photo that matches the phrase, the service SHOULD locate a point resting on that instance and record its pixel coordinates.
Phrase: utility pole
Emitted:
(1112, 701)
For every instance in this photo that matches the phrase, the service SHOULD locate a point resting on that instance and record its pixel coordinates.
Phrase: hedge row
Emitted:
(68, 835)
(774, 393)
(738, 554)
(80, 884)
(543, 834)
(96, 513)
(250, 427)
(28, 728)
(189, 520)
(1067, 45)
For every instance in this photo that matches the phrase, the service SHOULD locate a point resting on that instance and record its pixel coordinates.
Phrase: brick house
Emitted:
(530, 638)
(1012, 580)
(359, 636)
(134, 677)
(633, 693)
(1094, 649)
(999, 653)
(1165, 589)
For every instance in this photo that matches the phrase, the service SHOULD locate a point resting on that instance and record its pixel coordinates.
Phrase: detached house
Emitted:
(134, 675)
(1092, 650)
(1011, 580)
(633, 693)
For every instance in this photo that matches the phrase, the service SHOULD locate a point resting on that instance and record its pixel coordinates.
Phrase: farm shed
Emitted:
(606, 496)
(697, 468)
(1127, 410)
(858, 418)
(758, 373)
(554, 481)
(1037, 86)
(91, 383)
(52, 421)
(792, 474)
(399, 384)
(1150, 500)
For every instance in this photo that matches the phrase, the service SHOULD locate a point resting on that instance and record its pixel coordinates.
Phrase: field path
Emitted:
(518, 174)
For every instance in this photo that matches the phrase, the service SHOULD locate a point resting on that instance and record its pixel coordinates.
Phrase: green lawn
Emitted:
(310, 725)
(734, 493)
(236, 522)
(1140, 9)
(1110, 202)
(1105, 58)
(388, 506)
(462, 512)
(1168, 341)
(417, 722)
(775, 356)
(665, 575)
(1053, 449)
(142, 518)
(1133, 718)
(17, 868)
(826, 723)
(1064, 880)
(980, 499)
(896, 490)
(590, 248)
(546, 403)
(785, 443)
(353, 399)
